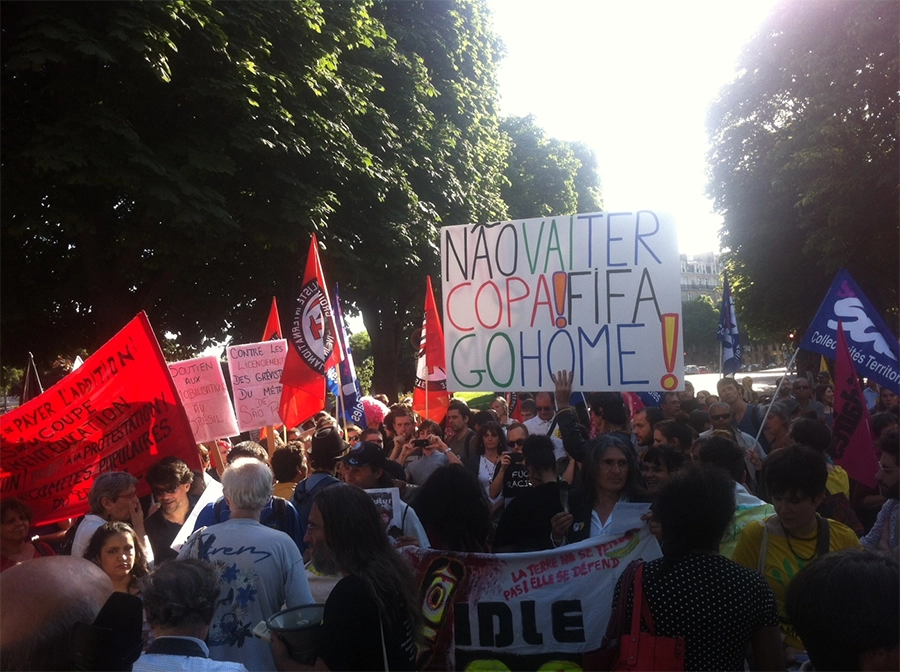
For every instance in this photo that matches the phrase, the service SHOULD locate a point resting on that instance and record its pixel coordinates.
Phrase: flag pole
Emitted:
(775, 396)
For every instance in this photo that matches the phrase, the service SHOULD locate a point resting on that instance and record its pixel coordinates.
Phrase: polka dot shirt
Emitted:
(714, 603)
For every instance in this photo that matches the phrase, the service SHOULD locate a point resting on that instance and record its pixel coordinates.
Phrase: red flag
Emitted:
(273, 324)
(119, 411)
(312, 347)
(852, 429)
(430, 397)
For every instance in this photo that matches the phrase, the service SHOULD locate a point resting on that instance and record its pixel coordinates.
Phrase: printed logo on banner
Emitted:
(873, 348)
(310, 332)
(597, 294)
(521, 611)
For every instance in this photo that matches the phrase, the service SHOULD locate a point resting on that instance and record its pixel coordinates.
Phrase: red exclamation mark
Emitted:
(559, 296)
(670, 348)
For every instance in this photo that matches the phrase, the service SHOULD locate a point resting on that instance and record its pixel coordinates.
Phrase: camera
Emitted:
(421, 443)
(515, 458)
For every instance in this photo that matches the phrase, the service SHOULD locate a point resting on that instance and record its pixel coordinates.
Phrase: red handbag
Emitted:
(634, 650)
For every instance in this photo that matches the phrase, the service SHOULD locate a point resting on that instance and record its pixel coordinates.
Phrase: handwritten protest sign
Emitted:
(201, 388)
(597, 293)
(119, 411)
(520, 611)
(255, 371)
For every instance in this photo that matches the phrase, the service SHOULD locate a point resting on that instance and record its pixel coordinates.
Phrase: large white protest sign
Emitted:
(597, 293)
(255, 371)
(201, 388)
(521, 611)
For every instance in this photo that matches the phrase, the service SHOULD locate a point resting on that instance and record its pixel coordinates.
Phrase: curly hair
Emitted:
(181, 594)
(494, 428)
(141, 567)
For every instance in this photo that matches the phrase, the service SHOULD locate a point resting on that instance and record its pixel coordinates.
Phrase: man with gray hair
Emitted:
(112, 497)
(180, 601)
(261, 569)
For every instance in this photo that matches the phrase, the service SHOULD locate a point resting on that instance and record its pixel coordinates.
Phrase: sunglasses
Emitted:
(517, 442)
(353, 437)
(164, 491)
(723, 416)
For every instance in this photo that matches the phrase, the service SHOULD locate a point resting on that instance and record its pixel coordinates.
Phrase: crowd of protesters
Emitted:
(773, 557)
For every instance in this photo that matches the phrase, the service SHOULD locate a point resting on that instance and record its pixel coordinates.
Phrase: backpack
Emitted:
(279, 511)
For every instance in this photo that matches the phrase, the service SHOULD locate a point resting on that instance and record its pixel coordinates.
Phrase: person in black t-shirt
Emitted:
(525, 524)
(170, 480)
(372, 616)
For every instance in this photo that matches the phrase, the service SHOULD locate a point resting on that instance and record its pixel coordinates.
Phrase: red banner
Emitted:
(852, 428)
(119, 411)
(430, 396)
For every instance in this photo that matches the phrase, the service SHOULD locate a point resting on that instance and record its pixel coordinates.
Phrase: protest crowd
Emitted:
(721, 529)
(771, 554)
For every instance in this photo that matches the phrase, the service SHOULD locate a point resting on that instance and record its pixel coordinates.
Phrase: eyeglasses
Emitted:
(723, 416)
(517, 442)
(543, 408)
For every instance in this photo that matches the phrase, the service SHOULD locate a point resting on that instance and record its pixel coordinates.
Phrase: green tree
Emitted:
(804, 165)
(441, 152)
(169, 157)
(699, 323)
(546, 176)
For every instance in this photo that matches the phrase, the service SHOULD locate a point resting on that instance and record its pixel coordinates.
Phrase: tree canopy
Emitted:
(804, 164)
(175, 157)
(546, 176)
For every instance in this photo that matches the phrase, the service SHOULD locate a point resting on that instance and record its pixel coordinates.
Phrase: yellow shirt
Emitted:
(782, 564)
(838, 481)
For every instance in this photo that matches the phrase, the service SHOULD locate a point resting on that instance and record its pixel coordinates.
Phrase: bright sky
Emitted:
(633, 80)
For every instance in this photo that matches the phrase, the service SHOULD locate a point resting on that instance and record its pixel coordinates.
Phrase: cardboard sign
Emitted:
(521, 611)
(255, 371)
(201, 388)
(598, 294)
(119, 411)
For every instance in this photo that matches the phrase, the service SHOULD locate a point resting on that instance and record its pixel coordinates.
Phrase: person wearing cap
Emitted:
(326, 448)
(364, 468)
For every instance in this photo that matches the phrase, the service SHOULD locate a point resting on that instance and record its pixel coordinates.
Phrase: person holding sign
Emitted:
(611, 474)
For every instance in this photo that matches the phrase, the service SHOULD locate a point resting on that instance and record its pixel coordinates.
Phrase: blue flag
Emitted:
(343, 376)
(874, 349)
(732, 355)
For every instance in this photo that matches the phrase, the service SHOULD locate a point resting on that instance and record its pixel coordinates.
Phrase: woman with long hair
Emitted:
(114, 548)
(372, 616)
(15, 546)
(501, 408)
(464, 527)
(611, 474)
(489, 444)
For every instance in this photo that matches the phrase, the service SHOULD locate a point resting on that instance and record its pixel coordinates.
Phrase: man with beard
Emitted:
(884, 537)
